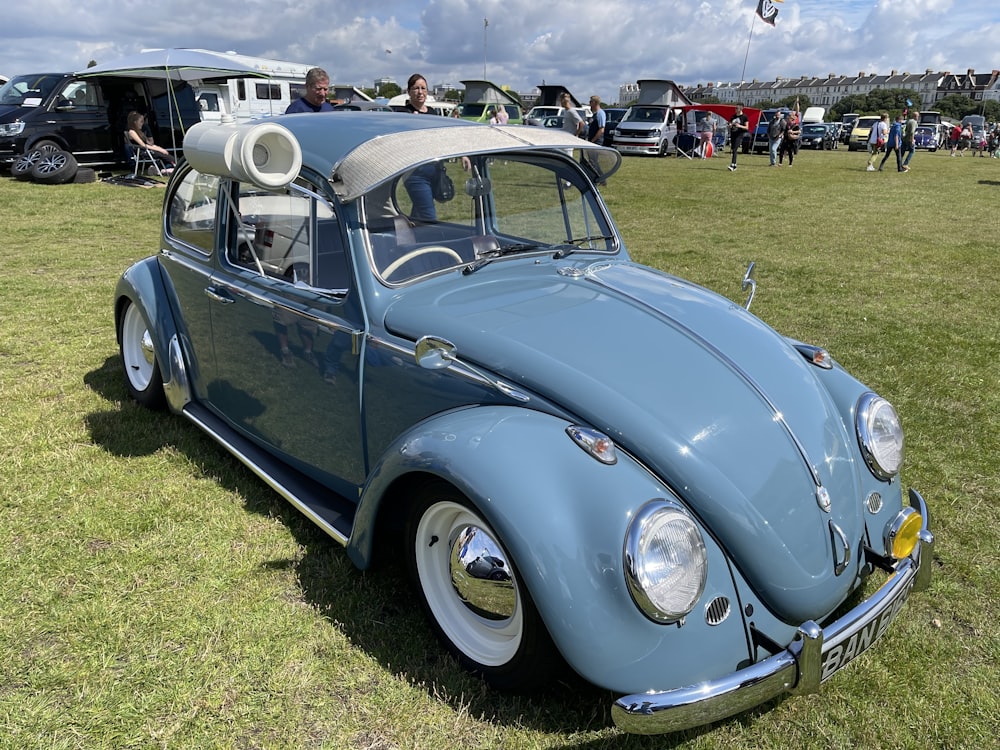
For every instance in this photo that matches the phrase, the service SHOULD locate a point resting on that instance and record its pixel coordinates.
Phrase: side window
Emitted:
(208, 102)
(290, 235)
(81, 96)
(192, 215)
(266, 91)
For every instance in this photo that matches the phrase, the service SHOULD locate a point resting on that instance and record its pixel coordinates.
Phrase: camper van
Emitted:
(87, 116)
(649, 126)
(481, 96)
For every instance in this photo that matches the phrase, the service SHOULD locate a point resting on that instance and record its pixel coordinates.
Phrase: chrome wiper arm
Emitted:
(492, 255)
(570, 246)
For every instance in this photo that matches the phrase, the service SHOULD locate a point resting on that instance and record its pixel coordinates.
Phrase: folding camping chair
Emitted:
(141, 156)
(688, 145)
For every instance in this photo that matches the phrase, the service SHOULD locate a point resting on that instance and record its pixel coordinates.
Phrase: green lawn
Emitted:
(156, 594)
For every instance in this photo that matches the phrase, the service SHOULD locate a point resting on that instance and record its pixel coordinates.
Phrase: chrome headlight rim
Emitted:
(869, 421)
(648, 521)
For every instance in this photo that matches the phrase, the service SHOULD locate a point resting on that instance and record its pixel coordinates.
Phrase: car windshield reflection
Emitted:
(495, 207)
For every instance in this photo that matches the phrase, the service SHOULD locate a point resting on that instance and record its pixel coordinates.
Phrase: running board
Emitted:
(331, 512)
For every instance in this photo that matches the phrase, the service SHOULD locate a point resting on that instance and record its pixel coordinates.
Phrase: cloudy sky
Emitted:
(589, 46)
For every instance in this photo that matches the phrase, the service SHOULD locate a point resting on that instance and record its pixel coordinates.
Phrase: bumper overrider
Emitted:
(813, 656)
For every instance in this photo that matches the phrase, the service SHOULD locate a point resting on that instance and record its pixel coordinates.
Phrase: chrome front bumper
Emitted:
(812, 657)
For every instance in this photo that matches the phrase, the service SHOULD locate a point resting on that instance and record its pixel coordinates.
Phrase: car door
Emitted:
(80, 116)
(286, 329)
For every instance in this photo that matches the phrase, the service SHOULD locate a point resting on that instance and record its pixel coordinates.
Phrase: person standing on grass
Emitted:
(909, 139)
(595, 131)
(572, 123)
(737, 129)
(706, 133)
(790, 139)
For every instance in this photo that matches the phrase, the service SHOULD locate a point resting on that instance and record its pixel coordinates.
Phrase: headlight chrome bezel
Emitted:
(880, 436)
(686, 557)
(10, 129)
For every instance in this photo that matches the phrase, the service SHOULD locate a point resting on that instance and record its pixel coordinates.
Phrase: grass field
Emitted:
(155, 594)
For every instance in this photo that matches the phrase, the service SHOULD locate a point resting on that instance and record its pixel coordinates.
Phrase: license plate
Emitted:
(862, 636)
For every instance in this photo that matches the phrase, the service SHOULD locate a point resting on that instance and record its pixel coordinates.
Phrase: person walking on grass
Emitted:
(775, 134)
(737, 129)
(894, 144)
(876, 140)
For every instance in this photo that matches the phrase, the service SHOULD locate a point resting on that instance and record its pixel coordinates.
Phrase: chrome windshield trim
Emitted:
(798, 669)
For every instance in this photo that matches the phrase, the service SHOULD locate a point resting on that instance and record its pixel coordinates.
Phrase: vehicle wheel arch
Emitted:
(565, 548)
(473, 450)
(48, 142)
(142, 286)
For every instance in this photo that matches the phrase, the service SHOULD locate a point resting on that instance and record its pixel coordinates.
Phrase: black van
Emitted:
(88, 116)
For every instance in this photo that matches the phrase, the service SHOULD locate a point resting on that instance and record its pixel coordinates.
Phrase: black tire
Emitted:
(503, 641)
(21, 168)
(84, 175)
(139, 362)
(54, 168)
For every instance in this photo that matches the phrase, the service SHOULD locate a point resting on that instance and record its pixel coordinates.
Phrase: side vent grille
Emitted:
(717, 611)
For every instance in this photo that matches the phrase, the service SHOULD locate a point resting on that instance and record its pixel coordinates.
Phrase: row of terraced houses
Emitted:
(825, 92)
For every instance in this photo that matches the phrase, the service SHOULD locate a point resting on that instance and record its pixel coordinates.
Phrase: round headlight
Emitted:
(880, 436)
(665, 561)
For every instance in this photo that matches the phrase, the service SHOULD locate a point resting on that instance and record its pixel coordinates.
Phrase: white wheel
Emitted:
(470, 590)
(142, 371)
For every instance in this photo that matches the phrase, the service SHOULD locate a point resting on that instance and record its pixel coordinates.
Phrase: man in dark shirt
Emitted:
(317, 84)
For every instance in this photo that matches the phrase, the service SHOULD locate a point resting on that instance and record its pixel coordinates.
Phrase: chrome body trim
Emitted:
(811, 658)
(177, 387)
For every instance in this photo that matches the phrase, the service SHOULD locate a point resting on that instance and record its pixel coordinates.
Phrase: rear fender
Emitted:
(562, 516)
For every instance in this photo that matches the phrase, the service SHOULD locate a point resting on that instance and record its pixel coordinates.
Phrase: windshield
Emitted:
(814, 129)
(646, 114)
(29, 90)
(500, 206)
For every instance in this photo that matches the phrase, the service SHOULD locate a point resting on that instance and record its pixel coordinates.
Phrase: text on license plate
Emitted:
(844, 653)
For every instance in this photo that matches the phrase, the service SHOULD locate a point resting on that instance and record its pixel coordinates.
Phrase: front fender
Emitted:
(563, 517)
(143, 285)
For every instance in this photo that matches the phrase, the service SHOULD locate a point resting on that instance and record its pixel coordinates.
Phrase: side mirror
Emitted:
(433, 353)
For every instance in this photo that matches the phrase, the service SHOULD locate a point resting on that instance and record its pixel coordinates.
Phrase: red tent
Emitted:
(726, 112)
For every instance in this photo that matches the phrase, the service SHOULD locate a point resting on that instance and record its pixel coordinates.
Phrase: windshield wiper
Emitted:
(570, 245)
(492, 255)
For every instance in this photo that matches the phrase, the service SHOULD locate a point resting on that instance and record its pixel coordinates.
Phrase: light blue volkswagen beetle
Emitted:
(428, 335)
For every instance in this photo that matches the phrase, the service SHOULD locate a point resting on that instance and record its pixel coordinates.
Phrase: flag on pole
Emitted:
(767, 10)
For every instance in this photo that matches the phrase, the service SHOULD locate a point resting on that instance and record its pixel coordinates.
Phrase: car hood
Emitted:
(9, 113)
(707, 396)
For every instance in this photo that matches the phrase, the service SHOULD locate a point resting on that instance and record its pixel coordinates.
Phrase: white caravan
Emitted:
(252, 98)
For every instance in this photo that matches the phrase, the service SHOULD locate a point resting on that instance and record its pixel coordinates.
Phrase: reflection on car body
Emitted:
(536, 420)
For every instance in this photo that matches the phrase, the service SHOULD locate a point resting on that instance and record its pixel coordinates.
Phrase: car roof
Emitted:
(360, 152)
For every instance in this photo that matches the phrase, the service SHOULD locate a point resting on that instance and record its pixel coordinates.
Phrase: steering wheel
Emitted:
(416, 253)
